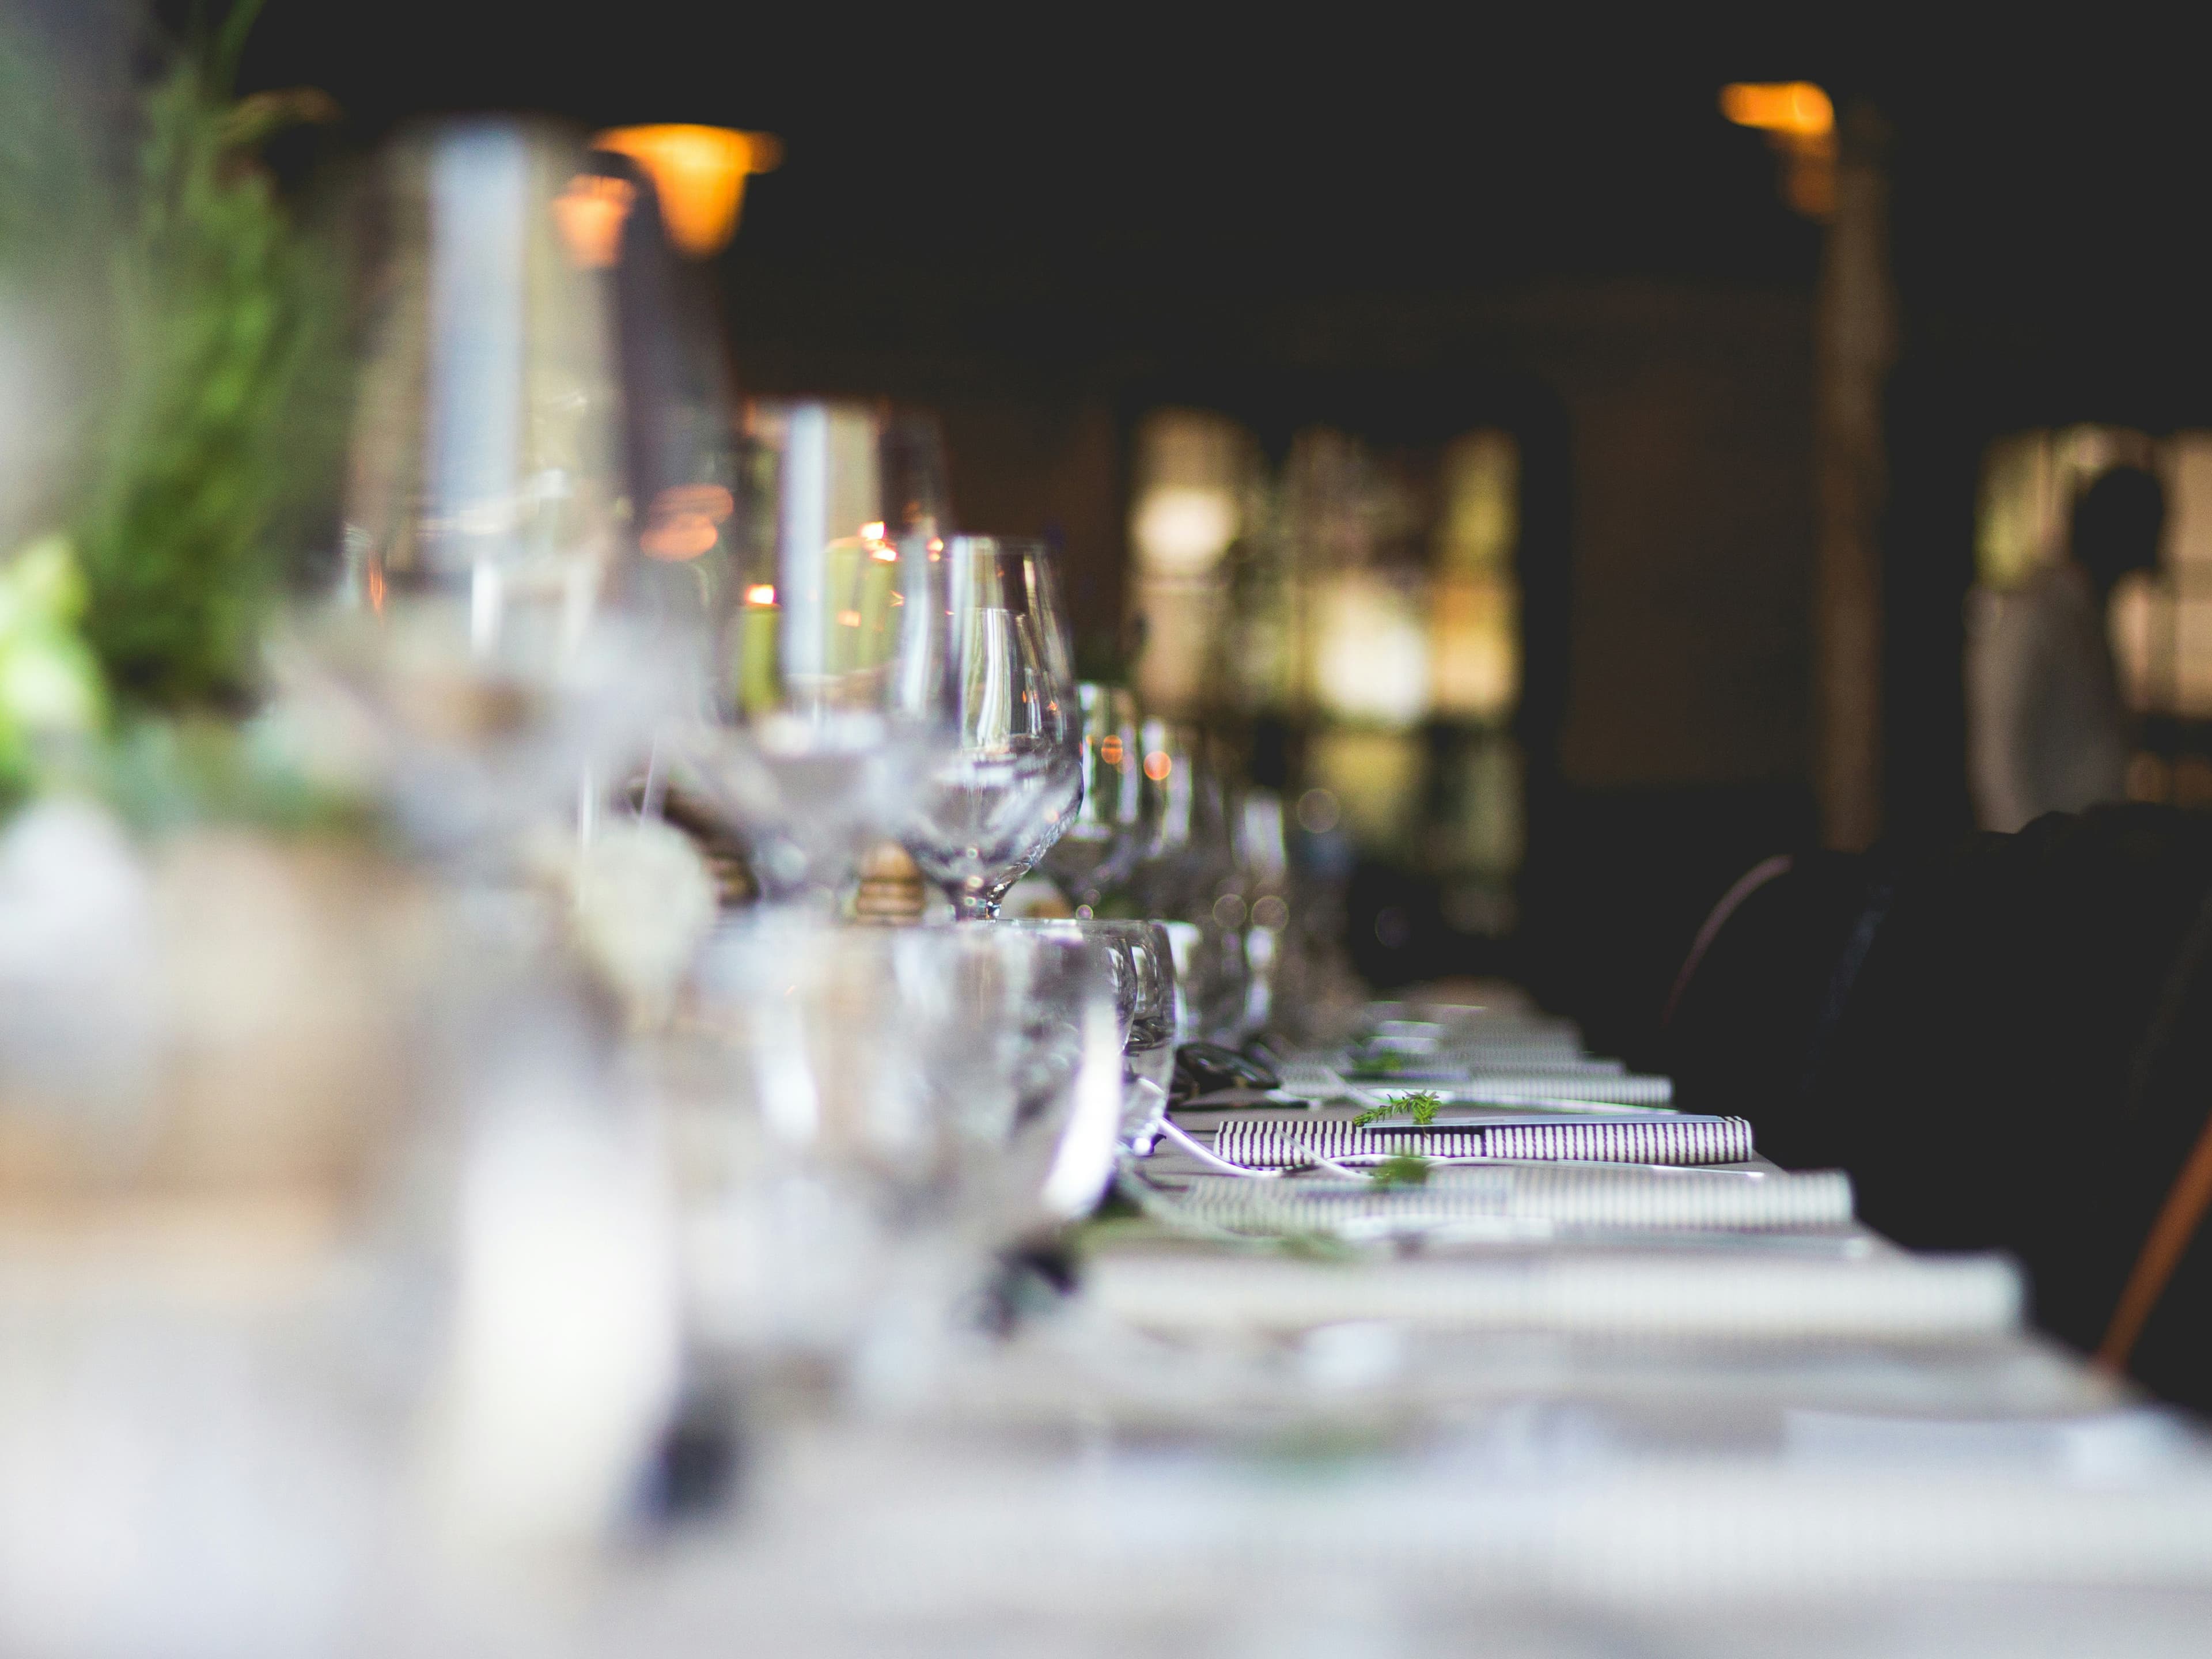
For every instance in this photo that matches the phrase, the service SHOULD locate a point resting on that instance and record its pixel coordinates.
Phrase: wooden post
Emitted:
(1854, 318)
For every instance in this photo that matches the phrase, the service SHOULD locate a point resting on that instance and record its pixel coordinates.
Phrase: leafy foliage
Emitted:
(1381, 1062)
(225, 326)
(1421, 1104)
(49, 684)
(1404, 1169)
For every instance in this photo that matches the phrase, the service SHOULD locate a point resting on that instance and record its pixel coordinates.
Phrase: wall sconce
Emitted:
(1799, 120)
(700, 174)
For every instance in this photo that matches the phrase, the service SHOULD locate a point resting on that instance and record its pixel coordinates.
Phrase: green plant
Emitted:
(225, 323)
(1382, 1062)
(49, 687)
(1403, 1170)
(1419, 1104)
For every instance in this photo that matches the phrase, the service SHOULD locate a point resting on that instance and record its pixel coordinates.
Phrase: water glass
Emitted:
(1141, 960)
(1013, 778)
(1103, 841)
(479, 655)
(878, 1110)
(824, 706)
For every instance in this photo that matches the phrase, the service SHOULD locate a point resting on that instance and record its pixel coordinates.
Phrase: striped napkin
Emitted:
(1271, 1143)
(1554, 1196)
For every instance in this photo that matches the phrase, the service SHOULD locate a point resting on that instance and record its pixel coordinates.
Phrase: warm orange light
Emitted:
(761, 593)
(680, 525)
(1158, 764)
(684, 535)
(700, 174)
(1799, 121)
(709, 501)
(873, 531)
(1796, 107)
(590, 213)
(1109, 750)
(848, 619)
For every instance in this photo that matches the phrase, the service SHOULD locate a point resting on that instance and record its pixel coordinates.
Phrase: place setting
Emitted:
(893, 887)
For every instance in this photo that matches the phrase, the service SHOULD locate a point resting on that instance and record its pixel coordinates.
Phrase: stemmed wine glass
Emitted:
(827, 703)
(482, 655)
(885, 1109)
(1013, 778)
(1105, 839)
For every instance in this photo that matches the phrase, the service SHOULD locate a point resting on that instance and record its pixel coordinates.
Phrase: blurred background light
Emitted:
(1372, 662)
(2160, 621)
(1181, 529)
(700, 174)
(1799, 120)
(1796, 107)
(590, 213)
(1193, 472)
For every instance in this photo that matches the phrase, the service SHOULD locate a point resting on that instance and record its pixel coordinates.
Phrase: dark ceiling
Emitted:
(1148, 171)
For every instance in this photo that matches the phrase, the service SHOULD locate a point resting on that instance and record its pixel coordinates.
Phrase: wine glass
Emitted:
(1103, 840)
(826, 703)
(1263, 866)
(882, 1109)
(1141, 960)
(1149, 1051)
(480, 658)
(1013, 778)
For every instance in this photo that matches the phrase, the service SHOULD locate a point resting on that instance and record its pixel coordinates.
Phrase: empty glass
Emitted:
(1263, 867)
(1187, 854)
(826, 705)
(1142, 961)
(1014, 777)
(481, 660)
(1105, 839)
(1107, 945)
(1212, 982)
(880, 1111)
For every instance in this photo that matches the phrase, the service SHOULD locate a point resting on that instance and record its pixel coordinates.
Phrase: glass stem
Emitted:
(975, 907)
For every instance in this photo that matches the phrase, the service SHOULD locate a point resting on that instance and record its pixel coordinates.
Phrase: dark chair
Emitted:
(2009, 1046)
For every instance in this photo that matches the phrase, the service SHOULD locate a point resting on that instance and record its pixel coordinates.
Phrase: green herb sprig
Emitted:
(1402, 1169)
(1421, 1104)
(1382, 1063)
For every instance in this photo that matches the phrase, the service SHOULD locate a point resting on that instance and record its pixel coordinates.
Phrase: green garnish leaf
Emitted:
(1421, 1104)
(1387, 1062)
(1404, 1169)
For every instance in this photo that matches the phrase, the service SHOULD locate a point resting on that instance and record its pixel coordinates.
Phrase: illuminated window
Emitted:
(2161, 625)
(2029, 480)
(1195, 472)
(1365, 596)
(1370, 662)
(1377, 779)
(1475, 614)
(1406, 614)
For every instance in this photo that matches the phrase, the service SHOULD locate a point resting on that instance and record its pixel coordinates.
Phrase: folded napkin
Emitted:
(1610, 1089)
(1271, 1143)
(1683, 1295)
(1551, 1196)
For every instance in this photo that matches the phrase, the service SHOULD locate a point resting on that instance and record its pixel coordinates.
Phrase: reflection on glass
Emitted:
(1014, 779)
(903, 1103)
(828, 703)
(482, 625)
(1105, 839)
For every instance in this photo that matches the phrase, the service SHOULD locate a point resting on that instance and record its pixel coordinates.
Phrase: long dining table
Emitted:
(1505, 1405)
